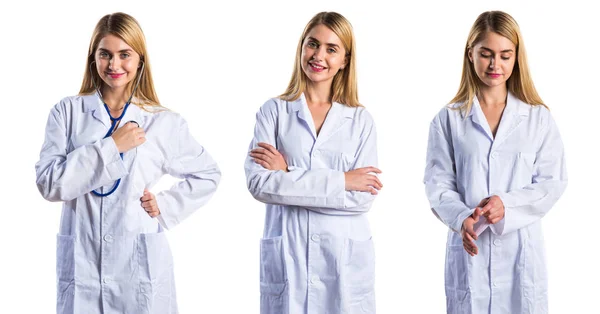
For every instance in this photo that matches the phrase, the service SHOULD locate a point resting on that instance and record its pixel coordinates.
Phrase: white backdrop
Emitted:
(217, 63)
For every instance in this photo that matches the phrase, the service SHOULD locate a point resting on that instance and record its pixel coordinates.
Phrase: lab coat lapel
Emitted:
(93, 103)
(133, 114)
(512, 116)
(337, 116)
(479, 119)
(301, 107)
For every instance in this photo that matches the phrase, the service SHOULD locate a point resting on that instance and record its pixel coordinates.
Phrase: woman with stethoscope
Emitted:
(495, 167)
(103, 150)
(312, 161)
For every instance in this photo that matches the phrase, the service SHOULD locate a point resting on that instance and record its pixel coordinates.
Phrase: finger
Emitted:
(469, 230)
(269, 148)
(259, 156)
(468, 249)
(374, 179)
(369, 169)
(263, 152)
(258, 150)
(476, 214)
(146, 205)
(374, 184)
(263, 163)
(469, 238)
(146, 197)
(262, 158)
(374, 191)
(470, 246)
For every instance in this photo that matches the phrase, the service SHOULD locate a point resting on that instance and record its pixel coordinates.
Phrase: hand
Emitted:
(361, 180)
(149, 204)
(128, 137)
(268, 157)
(468, 234)
(493, 210)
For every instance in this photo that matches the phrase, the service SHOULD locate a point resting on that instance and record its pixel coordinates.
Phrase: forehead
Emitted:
(113, 43)
(496, 42)
(324, 34)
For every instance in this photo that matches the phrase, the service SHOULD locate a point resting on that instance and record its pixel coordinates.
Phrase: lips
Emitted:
(115, 75)
(316, 68)
(493, 75)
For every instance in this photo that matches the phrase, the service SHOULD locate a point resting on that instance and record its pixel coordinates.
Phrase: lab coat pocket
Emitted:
(65, 273)
(457, 284)
(336, 160)
(273, 277)
(358, 276)
(525, 162)
(156, 286)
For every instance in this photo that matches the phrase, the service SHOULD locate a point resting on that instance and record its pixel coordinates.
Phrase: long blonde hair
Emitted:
(128, 29)
(344, 87)
(519, 83)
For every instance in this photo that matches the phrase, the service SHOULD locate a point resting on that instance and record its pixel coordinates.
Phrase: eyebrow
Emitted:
(122, 50)
(328, 44)
(503, 51)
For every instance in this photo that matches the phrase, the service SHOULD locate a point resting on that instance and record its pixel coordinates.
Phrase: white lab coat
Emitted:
(111, 256)
(524, 165)
(316, 254)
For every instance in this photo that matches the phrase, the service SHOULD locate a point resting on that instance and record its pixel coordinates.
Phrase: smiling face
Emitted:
(323, 55)
(116, 62)
(493, 59)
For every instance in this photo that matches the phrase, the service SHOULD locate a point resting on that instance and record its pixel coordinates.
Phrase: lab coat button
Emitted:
(494, 284)
(108, 238)
(314, 279)
(315, 237)
(494, 154)
(497, 242)
(106, 280)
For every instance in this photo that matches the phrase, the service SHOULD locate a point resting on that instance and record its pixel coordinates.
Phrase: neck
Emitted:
(115, 99)
(318, 94)
(493, 96)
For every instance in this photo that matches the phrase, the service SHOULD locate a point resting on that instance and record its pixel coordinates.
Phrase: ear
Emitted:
(345, 63)
(470, 54)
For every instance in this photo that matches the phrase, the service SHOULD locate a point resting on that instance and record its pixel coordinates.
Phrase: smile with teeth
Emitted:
(316, 67)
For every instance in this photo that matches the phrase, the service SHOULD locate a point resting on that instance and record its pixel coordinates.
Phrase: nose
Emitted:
(492, 62)
(319, 52)
(114, 63)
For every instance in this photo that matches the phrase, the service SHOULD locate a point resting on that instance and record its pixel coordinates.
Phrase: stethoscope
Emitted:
(114, 122)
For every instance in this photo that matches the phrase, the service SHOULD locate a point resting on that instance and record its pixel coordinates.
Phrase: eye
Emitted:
(103, 54)
(124, 55)
(312, 44)
(486, 55)
(505, 58)
(331, 50)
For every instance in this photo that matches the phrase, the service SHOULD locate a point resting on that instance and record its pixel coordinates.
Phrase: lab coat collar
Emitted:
(332, 121)
(300, 105)
(513, 113)
(94, 104)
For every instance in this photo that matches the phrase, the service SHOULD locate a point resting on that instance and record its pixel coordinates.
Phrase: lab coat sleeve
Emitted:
(320, 190)
(528, 204)
(440, 178)
(201, 175)
(64, 176)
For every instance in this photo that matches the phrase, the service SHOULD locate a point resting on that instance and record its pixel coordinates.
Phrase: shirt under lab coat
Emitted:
(316, 254)
(524, 165)
(111, 256)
